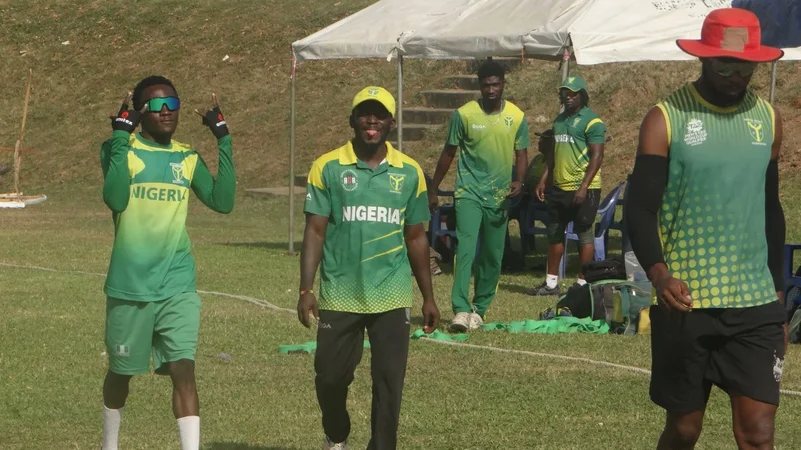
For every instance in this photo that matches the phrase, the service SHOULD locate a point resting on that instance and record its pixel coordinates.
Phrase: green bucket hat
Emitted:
(574, 83)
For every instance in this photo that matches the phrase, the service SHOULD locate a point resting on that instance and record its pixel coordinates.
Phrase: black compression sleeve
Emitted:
(647, 186)
(775, 227)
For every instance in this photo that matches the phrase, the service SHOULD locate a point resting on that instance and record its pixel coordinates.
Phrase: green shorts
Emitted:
(168, 327)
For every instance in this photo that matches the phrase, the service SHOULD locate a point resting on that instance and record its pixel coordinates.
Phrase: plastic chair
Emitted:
(437, 231)
(790, 279)
(534, 212)
(607, 212)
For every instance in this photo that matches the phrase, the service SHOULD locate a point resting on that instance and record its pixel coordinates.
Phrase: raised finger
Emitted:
(214, 103)
(143, 108)
(125, 102)
(200, 114)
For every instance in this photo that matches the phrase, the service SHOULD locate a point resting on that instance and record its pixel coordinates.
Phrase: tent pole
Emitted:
(565, 71)
(566, 64)
(292, 161)
(772, 81)
(400, 103)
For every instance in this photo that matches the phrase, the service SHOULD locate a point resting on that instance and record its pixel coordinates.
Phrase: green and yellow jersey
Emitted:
(147, 187)
(364, 267)
(487, 143)
(712, 219)
(572, 136)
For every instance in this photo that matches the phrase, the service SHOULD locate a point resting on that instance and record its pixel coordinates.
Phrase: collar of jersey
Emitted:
(152, 144)
(580, 112)
(347, 156)
(717, 109)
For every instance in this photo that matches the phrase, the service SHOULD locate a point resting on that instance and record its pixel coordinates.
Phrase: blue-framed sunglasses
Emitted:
(157, 103)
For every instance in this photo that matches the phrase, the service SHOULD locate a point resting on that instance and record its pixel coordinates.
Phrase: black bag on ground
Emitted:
(612, 268)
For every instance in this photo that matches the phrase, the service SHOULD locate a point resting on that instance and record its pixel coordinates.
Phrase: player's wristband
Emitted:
(306, 291)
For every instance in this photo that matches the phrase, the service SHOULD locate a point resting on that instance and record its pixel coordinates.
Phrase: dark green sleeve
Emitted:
(521, 138)
(417, 207)
(455, 130)
(116, 175)
(596, 132)
(218, 194)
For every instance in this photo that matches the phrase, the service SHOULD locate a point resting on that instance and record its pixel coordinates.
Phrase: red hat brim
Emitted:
(697, 48)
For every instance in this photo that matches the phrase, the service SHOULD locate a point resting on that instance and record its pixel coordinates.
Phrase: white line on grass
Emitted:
(266, 304)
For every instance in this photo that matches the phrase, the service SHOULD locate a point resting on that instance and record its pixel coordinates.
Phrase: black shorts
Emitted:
(562, 211)
(740, 350)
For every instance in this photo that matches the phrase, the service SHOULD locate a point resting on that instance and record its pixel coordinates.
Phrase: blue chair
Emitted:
(534, 212)
(444, 210)
(607, 212)
(790, 279)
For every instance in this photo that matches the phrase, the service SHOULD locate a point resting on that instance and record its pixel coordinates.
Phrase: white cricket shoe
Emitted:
(461, 322)
(328, 444)
(475, 321)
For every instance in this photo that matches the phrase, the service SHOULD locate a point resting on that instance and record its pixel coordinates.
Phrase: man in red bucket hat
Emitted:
(707, 226)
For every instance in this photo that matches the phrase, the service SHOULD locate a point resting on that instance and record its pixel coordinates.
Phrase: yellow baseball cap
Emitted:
(378, 94)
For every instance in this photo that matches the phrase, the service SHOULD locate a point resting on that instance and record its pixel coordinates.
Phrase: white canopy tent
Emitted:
(592, 31)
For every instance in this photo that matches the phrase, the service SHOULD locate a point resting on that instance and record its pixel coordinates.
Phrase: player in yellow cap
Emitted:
(366, 204)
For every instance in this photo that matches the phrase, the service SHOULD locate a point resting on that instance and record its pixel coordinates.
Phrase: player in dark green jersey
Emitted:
(366, 204)
(575, 176)
(707, 225)
(491, 135)
(152, 303)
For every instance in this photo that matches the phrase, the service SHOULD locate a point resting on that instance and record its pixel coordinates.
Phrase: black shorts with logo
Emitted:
(562, 211)
(740, 350)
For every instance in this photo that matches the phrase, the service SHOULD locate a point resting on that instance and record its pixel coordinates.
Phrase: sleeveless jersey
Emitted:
(712, 219)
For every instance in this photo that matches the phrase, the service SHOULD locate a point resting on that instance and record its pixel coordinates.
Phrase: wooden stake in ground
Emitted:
(18, 145)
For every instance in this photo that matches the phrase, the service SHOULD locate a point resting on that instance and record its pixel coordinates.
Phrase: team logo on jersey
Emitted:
(756, 131)
(508, 121)
(695, 134)
(177, 173)
(349, 180)
(576, 121)
(396, 182)
(123, 350)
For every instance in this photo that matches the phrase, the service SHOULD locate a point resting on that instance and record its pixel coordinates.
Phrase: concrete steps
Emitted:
(428, 116)
(465, 82)
(448, 98)
(411, 132)
(276, 191)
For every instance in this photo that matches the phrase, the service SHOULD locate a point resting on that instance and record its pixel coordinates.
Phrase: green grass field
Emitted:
(52, 365)
(51, 326)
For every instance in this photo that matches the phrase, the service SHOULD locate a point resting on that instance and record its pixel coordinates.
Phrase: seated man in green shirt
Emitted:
(539, 165)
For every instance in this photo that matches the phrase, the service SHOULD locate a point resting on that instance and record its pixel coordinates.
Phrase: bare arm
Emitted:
(596, 158)
(418, 250)
(312, 251)
(521, 163)
(444, 163)
(310, 256)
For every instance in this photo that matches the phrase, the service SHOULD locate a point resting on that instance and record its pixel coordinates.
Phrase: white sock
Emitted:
(189, 429)
(551, 281)
(581, 281)
(111, 427)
